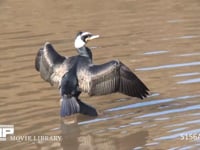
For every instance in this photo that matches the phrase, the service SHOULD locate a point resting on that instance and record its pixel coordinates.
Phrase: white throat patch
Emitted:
(79, 42)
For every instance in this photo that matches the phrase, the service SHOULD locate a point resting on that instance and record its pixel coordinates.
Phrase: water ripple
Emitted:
(178, 135)
(178, 129)
(154, 102)
(103, 119)
(182, 37)
(187, 74)
(194, 107)
(151, 144)
(170, 66)
(176, 21)
(185, 123)
(196, 80)
(188, 54)
(155, 52)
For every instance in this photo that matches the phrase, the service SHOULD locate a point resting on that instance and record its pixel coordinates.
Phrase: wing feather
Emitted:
(111, 77)
(50, 64)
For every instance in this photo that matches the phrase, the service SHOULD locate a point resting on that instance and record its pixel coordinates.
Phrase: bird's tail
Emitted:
(71, 105)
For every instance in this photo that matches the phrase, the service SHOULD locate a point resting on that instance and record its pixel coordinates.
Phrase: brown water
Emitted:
(159, 40)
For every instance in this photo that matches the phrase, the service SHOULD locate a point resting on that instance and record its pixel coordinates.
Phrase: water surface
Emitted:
(158, 40)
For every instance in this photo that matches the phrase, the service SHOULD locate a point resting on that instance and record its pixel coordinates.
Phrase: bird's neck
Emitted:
(85, 51)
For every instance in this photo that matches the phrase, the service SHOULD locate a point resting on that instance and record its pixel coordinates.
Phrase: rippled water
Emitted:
(159, 40)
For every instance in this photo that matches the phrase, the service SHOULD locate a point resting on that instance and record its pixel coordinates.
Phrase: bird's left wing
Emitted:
(111, 77)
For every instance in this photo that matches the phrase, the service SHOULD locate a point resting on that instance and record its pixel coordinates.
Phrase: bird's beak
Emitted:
(92, 37)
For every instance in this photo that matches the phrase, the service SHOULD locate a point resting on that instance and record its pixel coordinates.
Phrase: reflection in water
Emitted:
(78, 137)
(70, 134)
(159, 38)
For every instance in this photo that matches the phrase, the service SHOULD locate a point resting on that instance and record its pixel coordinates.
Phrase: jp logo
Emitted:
(6, 130)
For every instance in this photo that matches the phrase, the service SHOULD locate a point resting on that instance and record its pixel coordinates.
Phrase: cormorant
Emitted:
(77, 74)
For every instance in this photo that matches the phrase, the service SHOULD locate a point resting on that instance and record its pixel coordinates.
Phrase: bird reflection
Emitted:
(84, 137)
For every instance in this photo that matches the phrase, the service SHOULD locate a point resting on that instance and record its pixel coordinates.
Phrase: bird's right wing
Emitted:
(46, 60)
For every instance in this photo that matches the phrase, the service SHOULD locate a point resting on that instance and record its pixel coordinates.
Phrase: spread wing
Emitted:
(111, 77)
(50, 64)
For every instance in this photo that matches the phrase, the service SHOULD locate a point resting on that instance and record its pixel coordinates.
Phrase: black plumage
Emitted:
(78, 74)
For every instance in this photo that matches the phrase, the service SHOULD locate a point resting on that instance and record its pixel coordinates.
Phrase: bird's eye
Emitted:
(84, 38)
(87, 36)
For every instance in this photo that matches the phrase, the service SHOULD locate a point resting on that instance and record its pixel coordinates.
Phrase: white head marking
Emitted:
(79, 42)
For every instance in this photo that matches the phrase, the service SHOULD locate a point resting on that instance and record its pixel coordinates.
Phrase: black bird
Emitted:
(77, 74)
